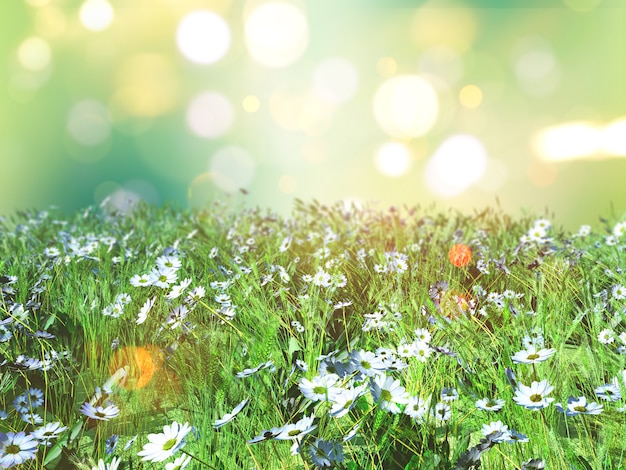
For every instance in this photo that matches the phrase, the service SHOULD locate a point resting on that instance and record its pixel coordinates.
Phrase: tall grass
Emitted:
(282, 294)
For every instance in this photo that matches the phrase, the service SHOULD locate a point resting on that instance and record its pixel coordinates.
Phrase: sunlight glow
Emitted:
(277, 34)
(336, 80)
(406, 106)
(210, 115)
(613, 138)
(203, 37)
(96, 15)
(567, 142)
(393, 159)
(231, 168)
(34, 54)
(458, 163)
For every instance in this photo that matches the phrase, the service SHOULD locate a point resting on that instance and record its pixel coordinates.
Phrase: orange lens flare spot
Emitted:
(460, 255)
(142, 363)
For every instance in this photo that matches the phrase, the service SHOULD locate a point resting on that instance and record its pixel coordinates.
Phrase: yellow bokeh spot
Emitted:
(470, 96)
(454, 27)
(406, 106)
(50, 21)
(287, 184)
(387, 67)
(34, 54)
(147, 85)
(251, 104)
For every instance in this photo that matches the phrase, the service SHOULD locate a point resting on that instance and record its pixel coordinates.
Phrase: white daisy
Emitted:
(230, 416)
(178, 464)
(534, 397)
(99, 412)
(163, 445)
(388, 393)
(16, 448)
(297, 430)
(145, 309)
(532, 356)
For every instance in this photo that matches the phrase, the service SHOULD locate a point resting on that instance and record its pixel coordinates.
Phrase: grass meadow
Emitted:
(339, 337)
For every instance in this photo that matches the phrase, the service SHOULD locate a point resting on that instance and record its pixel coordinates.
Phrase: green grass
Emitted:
(567, 290)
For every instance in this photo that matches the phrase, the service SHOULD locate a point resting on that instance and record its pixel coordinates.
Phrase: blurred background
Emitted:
(462, 103)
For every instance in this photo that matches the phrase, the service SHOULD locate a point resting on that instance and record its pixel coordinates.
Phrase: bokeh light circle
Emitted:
(96, 15)
(276, 34)
(406, 106)
(34, 54)
(458, 163)
(335, 80)
(88, 123)
(231, 168)
(210, 115)
(203, 37)
(393, 159)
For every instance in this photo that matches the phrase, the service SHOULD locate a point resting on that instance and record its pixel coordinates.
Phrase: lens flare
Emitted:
(203, 37)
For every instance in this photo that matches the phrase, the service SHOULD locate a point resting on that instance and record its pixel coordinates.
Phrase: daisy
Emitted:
(345, 401)
(266, 435)
(47, 432)
(496, 428)
(163, 277)
(609, 392)
(230, 416)
(325, 453)
(178, 464)
(16, 448)
(321, 388)
(107, 466)
(99, 412)
(442, 411)
(367, 363)
(297, 430)
(532, 356)
(177, 316)
(422, 334)
(489, 404)
(388, 393)
(140, 280)
(168, 262)
(449, 394)
(422, 350)
(416, 408)
(576, 406)
(534, 397)
(163, 445)
(606, 336)
(179, 289)
(145, 309)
